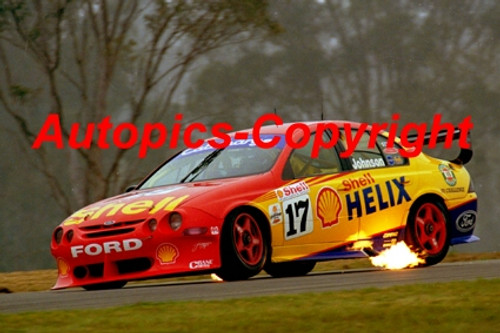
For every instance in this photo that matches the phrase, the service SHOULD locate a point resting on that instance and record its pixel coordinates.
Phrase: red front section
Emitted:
(146, 254)
(130, 238)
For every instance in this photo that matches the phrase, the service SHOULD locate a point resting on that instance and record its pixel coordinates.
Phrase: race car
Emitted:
(240, 209)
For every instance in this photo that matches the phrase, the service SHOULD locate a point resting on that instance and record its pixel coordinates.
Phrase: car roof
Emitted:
(282, 129)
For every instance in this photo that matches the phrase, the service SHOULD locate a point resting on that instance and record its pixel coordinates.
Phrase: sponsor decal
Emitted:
(62, 267)
(275, 214)
(390, 234)
(391, 150)
(214, 231)
(292, 190)
(367, 163)
(372, 199)
(328, 206)
(466, 221)
(201, 246)
(390, 239)
(298, 217)
(354, 183)
(167, 253)
(235, 142)
(201, 264)
(132, 208)
(448, 174)
(394, 160)
(453, 189)
(95, 249)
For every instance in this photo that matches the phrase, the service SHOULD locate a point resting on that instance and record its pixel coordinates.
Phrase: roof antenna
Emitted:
(275, 112)
(322, 111)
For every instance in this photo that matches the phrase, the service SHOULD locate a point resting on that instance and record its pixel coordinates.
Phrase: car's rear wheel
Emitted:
(427, 231)
(289, 268)
(106, 285)
(243, 247)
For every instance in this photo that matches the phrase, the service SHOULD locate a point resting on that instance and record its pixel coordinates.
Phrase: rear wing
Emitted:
(465, 154)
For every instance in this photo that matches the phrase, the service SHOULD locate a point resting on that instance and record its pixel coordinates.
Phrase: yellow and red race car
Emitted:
(237, 210)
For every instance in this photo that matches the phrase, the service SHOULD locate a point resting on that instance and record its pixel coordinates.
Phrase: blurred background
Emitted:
(231, 61)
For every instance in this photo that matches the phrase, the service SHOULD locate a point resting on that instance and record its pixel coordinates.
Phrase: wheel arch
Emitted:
(411, 239)
(433, 197)
(261, 219)
(427, 197)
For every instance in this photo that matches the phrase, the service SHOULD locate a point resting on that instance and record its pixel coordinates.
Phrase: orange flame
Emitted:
(398, 256)
(216, 278)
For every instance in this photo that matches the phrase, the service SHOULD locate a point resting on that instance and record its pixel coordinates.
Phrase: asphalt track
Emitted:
(77, 298)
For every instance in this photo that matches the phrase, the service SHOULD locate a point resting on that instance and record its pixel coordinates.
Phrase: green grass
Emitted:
(442, 307)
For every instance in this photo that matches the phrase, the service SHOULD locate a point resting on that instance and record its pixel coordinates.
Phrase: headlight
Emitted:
(69, 235)
(58, 235)
(152, 224)
(175, 221)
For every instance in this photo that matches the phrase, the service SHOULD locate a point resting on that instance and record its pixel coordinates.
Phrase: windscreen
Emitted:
(239, 158)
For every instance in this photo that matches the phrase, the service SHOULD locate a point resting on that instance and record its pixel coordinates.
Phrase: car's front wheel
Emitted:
(427, 231)
(243, 247)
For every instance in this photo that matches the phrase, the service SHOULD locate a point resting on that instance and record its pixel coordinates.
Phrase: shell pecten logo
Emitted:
(328, 206)
(62, 267)
(167, 253)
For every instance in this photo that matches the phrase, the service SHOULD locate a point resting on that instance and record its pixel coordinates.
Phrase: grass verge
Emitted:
(470, 306)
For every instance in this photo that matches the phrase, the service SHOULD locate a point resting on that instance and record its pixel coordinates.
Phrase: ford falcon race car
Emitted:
(240, 209)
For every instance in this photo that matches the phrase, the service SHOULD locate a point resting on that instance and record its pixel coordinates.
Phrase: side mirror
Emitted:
(130, 188)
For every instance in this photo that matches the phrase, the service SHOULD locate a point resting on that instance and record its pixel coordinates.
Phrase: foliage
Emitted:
(212, 61)
(93, 59)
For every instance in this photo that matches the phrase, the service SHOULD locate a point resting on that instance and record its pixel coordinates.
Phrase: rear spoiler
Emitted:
(465, 154)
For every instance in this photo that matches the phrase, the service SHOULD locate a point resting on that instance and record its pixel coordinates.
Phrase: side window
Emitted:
(391, 155)
(301, 164)
(363, 157)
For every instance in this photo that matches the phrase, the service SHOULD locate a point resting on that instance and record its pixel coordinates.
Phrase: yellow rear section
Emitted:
(316, 214)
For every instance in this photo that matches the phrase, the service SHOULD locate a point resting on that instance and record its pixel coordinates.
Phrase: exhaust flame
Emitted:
(215, 278)
(398, 256)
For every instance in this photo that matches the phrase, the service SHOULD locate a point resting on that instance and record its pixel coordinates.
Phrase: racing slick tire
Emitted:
(289, 268)
(244, 247)
(427, 231)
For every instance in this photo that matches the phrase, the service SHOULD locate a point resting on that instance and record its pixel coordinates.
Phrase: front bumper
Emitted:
(134, 256)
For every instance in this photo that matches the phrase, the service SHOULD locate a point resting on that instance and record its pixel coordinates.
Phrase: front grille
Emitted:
(126, 266)
(103, 230)
(96, 270)
(133, 265)
(109, 233)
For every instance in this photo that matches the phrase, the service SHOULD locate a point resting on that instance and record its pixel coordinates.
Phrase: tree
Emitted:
(367, 60)
(85, 60)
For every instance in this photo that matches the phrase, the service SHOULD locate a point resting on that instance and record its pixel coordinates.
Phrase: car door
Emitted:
(314, 214)
(379, 190)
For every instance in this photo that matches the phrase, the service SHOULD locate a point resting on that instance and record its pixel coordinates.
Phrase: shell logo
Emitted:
(62, 267)
(167, 253)
(328, 206)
